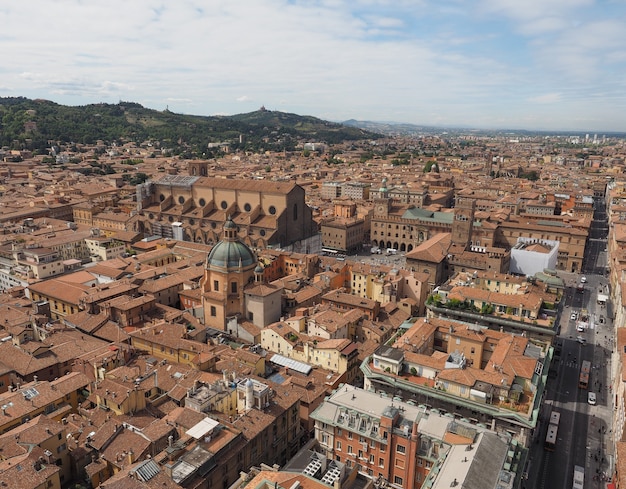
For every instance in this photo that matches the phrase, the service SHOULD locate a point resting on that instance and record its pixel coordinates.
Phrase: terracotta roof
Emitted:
(58, 289)
(433, 250)
(46, 393)
(27, 471)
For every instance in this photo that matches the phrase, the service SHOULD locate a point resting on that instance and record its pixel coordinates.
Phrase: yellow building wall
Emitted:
(466, 346)
(227, 404)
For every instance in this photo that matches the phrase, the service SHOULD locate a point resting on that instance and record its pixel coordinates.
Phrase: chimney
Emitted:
(170, 439)
(130, 456)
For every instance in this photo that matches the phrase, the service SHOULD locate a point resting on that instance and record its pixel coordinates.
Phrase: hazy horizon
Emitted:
(543, 65)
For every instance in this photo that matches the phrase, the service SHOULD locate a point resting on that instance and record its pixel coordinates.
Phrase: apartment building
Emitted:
(345, 235)
(343, 301)
(46, 434)
(56, 399)
(64, 297)
(404, 446)
(350, 189)
(488, 376)
(168, 342)
(499, 301)
(102, 248)
(335, 355)
(35, 352)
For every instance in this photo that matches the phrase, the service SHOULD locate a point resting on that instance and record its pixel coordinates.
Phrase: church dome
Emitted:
(230, 254)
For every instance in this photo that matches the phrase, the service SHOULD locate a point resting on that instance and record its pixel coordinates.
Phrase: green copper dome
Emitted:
(230, 254)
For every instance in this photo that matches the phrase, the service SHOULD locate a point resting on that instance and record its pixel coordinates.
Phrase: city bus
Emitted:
(579, 477)
(553, 431)
(583, 379)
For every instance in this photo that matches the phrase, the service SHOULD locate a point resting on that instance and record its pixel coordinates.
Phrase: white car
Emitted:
(591, 398)
(581, 340)
(573, 316)
(583, 279)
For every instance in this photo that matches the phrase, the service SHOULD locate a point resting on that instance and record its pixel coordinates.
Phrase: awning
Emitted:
(204, 427)
(303, 368)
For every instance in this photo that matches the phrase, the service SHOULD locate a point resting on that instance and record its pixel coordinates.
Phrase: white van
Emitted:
(391, 251)
(591, 398)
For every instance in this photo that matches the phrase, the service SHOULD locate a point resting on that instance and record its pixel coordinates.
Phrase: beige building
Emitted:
(263, 303)
(41, 262)
(266, 213)
(56, 399)
(336, 355)
(49, 436)
(64, 297)
(345, 235)
(102, 249)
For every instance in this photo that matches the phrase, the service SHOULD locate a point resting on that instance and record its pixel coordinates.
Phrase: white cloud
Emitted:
(367, 59)
(548, 98)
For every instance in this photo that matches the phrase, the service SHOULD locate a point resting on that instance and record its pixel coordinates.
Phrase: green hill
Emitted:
(37, 124)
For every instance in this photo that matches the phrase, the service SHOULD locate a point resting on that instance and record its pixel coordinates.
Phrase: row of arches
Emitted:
(388, 244)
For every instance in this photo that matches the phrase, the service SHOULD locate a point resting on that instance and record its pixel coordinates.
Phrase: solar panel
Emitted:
(30, 393)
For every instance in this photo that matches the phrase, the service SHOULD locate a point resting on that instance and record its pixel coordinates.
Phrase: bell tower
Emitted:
(198, 168)
(463, 223)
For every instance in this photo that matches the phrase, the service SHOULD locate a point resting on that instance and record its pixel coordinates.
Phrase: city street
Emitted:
(584, 435)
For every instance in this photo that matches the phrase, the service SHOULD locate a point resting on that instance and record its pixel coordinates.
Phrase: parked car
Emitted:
(574, 316)
(583, 279)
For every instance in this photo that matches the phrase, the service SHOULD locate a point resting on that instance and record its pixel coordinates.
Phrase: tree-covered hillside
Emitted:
(37, 124)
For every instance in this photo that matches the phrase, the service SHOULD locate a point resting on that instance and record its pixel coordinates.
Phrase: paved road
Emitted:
(584, 435)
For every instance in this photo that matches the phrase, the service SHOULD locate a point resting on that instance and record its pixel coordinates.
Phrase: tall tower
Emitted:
(382, 204)
(198, 168)
(463, 223)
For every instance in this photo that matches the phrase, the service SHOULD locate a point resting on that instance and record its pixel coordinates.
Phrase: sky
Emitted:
(517, 64)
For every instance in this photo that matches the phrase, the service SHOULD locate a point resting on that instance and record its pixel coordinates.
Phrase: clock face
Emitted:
(380, 209)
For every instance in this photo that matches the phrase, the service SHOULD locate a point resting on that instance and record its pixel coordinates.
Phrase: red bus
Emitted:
(583, 379)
